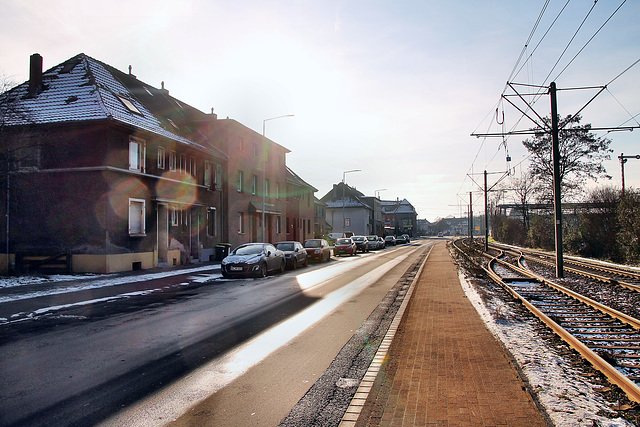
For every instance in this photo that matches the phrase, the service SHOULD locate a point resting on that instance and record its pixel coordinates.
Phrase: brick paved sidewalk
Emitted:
(444, 367)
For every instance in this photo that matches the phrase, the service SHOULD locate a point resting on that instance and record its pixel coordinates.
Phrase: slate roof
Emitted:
(334, 199)
(397, 207)
(84, 89)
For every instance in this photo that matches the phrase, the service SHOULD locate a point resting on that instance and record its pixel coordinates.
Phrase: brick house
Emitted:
(256, 168)
(300, 208)
(400, 217)
(110, 171)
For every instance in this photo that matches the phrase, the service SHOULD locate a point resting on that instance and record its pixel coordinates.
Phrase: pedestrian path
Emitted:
(443, 367)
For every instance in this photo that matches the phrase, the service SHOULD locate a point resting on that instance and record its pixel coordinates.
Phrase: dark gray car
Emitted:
(294, 253)
(253, 260)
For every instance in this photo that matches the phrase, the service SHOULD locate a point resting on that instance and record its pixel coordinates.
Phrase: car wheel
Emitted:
(225, 275)
(263, 271)
(306, 262)
(283, 266)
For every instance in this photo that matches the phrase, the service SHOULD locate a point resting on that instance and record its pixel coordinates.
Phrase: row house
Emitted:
(300, 208)
(110, 171)
(255, 197)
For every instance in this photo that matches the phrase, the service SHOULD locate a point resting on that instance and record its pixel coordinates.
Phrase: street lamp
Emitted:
(377, 192)
(264, 166)
(343, 185)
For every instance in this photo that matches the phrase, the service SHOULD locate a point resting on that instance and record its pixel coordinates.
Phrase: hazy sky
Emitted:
(394, 88)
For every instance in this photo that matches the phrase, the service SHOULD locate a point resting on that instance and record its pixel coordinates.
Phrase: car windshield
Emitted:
(248, 250)
(372, 238)
(285, 246)
(343, 241)
(358, 238)
(312, 244)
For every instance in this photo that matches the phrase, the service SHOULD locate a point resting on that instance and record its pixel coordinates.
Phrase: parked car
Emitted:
(294, 254)
(345, 246)
(361, 243)
(253, 259)
(381, 243)
(373, 242)
(317, 249)
(390, 240)
(407, 238)
(400, 239)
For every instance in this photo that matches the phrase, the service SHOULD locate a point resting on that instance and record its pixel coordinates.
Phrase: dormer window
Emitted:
(127, 103)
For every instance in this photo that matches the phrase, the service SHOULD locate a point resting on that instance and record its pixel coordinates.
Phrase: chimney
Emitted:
(163, 90)
(35, 74)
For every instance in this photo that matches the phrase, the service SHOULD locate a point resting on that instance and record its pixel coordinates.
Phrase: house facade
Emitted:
(255, 191)
(346, 211)
(300, 217)
(400, 217)
(115, 173)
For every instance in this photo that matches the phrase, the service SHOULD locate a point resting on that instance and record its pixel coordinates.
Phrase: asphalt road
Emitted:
(222, 349)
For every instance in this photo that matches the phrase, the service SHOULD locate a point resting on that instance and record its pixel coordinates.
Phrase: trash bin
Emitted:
(222, 250)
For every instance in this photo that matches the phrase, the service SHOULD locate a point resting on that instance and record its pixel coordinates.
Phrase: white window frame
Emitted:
(141, 203)
(278, 225)
(240, 222)
(254, 184)
(172, 160)
(137, 154)
(278, 190)
(161, 158)
(192, 166)
(240, 181)
(183, 163)
(266, 188)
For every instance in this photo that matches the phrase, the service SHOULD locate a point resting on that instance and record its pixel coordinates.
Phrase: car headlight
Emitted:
(317, 251)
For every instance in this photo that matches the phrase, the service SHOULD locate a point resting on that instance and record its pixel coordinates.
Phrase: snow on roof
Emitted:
(83, 89)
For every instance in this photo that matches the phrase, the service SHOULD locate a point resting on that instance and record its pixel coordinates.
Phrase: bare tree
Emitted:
(581, 157)
(524, 191)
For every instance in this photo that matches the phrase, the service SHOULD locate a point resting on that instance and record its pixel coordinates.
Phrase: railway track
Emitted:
(608, 339)
(611, 274)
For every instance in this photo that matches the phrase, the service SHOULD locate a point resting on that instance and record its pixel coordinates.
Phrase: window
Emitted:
(240, 144)
(207, 174)
(174, 216)
(136, 154)
(172, 160)
(183, 163)
(266, 187)
(278, 190)
(136, 217)
(255, 150)
(129, 104)
(27, 157)
(278, 225)
(254, 184)
(240, 222)
(240, 182)
(217, 178)
(211, 222)
(161, 158)
(192, 166)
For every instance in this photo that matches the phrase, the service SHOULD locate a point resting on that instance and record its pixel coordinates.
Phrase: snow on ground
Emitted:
(72, 283)
(568, 398)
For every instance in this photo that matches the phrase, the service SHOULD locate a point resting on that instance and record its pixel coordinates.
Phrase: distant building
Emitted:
(347, 211)
(300, 208)
(400, 217)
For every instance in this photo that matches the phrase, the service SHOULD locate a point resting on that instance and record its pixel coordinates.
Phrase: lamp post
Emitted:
(264, 166)
(377, 192)
(343, 185)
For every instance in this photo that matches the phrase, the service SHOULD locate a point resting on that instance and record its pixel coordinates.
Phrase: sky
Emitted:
(394, 89)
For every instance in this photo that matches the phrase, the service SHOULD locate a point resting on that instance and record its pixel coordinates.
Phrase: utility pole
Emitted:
(555, 141)
(471, 214)
(623, 160)
(486, 215)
